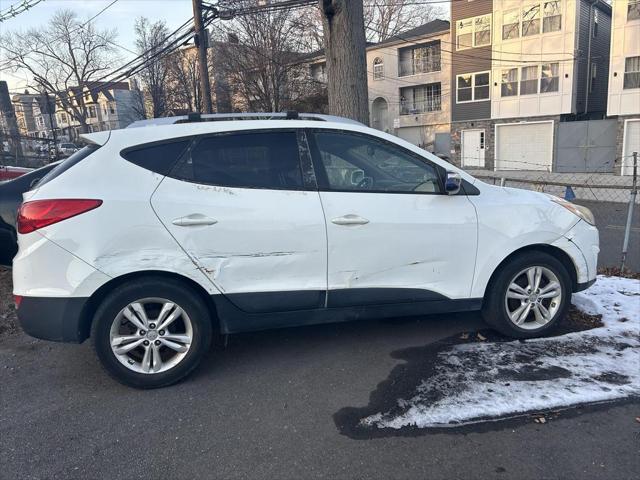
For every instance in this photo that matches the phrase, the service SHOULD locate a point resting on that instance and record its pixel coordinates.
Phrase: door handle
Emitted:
(350, 220)
(194, 220)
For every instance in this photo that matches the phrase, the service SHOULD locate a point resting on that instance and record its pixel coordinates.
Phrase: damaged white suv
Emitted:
(153, 240)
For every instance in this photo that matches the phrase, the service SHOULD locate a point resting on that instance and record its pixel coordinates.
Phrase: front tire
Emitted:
(529, 296)
(151, 332)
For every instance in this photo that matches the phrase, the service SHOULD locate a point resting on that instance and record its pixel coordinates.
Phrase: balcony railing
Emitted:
(416, 66)
(425, 106)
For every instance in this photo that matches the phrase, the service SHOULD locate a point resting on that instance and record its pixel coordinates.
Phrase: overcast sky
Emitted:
(120, 16)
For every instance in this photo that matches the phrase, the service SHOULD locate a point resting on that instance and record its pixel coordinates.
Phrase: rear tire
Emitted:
(529, 296)
(151, 332)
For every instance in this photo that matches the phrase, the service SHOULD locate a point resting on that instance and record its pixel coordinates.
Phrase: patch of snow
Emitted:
(476, 382)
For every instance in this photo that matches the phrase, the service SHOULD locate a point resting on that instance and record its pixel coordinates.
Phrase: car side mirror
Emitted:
(452, 183)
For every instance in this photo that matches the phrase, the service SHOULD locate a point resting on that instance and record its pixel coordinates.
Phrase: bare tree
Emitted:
(63, 57)
(151, 39)
(183, 81)
(344, 42)
(384, 19)
(260, 59)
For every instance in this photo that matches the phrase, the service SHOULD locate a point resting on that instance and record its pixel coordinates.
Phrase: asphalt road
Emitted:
(611, 218)
(265, 407)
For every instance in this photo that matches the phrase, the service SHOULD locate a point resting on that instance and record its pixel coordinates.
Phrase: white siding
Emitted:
(625, 42)
(536, 50)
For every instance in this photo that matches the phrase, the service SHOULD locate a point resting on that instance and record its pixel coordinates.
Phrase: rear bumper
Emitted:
(55, 319)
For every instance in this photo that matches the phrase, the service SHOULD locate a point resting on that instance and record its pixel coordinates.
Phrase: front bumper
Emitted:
(583, 286)
(56, 319)
(582, 244)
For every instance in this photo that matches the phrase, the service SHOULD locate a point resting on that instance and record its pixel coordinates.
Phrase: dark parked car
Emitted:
(10, 199)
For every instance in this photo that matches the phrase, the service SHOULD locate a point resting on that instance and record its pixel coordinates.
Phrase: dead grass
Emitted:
(616, 272)
(8, 320)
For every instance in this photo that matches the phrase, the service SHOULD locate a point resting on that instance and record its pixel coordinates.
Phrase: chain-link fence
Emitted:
(612, 199)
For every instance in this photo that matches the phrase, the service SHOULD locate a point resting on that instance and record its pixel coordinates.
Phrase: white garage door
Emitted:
(631, 144)
(524, 146)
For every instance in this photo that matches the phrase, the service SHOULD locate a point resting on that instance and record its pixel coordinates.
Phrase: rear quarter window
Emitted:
(68, 163)
(157, 157)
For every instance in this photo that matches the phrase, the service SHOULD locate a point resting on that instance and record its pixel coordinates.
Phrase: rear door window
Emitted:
(268, 160)
(157, 157)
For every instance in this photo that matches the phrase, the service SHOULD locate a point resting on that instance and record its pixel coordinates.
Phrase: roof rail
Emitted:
(225, 117)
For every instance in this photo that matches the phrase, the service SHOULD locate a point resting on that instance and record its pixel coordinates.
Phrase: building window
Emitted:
(482, 31)
(92, 112)
(472, 87)
(511, 24)
(378, 69)
(465, 88)
(420, 99)
(419, 59)
(531, 20)
(633, 10)
(550, 79)
(529, 80)
(552, 21)
(473, 32)
(464, 34)
(632, 72)
(509, 86)
(112, 110)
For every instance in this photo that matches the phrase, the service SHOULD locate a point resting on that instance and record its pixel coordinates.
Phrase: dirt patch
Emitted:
(8, 320)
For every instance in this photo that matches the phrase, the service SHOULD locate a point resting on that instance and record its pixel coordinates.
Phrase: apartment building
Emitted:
(521, 67)
(109, 106)
(624, 80)
(32, 114)
(409, 84)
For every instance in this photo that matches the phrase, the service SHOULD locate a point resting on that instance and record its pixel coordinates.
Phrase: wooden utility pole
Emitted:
(201, 44)
(345, 51)
(7, 111)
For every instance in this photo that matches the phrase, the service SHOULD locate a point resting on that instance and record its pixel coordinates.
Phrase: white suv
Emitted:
(153, 240)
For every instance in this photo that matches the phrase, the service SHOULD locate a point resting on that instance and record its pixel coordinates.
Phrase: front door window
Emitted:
(354, 162)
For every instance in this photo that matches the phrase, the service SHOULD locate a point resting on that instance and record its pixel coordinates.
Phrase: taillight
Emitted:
(17, 300)
(42, 213)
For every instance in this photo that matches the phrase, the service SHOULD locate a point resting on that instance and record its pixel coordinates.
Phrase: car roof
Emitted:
(138, 136)
(246, 116)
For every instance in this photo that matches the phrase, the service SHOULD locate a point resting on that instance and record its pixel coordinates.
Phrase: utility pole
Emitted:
(201, 44)
(345, 44)
(51, 107)
(45, 95)
(9, 114)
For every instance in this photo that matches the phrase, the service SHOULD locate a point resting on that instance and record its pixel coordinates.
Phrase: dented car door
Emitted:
(394, 236)
(240, 207)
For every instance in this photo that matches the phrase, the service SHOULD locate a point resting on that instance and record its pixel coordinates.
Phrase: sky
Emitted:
(120, 16)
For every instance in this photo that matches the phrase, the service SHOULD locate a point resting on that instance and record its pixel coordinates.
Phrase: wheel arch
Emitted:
(96, 298)
(559, 254)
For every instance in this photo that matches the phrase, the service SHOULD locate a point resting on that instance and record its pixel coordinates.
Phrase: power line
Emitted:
(14, 10)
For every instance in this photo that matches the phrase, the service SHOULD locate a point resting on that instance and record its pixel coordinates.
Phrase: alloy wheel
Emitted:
(533, 297)
(151, 335)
